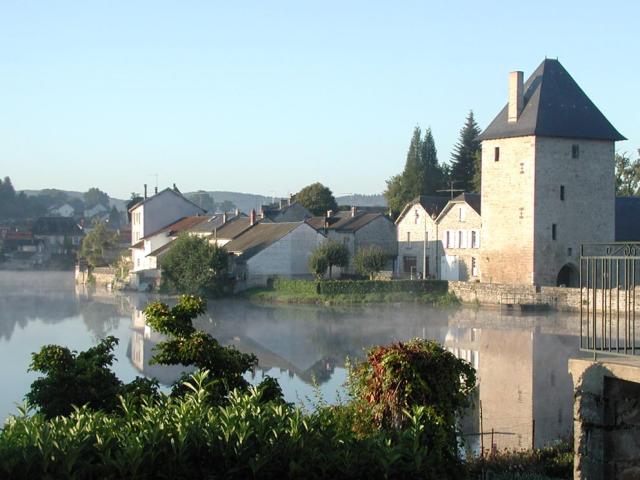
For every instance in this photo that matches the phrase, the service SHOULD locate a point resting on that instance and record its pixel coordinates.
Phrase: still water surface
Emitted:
(525, 390)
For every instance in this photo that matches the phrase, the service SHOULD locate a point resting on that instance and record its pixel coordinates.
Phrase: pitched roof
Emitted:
(554, 106)
(181, 225)
(344, 222)
(56, 226)
(259, 237)
(273, 211)
(627, 219)
(162, 192)
(433, 205)
(234, 227)
(212, 223)
(472, 199)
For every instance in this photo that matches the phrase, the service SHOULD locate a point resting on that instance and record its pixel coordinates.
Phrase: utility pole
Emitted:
(452, 190)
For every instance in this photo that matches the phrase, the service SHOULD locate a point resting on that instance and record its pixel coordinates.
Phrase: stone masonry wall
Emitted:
(587, 213)
(507, 211)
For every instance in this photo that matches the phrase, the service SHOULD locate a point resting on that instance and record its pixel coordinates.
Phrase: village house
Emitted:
(232, 228)
(459, 228)
(212, 223)
(64, 210)
(547, 180)
(59, 235)
(417, 234)
(285, 211)
(268, 250)
(359, 229)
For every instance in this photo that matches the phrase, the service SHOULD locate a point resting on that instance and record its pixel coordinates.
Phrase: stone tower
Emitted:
(547, 180)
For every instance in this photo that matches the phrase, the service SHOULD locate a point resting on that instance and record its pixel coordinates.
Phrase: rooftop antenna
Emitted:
(452, 190)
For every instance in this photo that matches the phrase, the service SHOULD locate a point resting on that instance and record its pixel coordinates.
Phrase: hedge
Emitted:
(301, 287)
(358, 287)
(363, 287)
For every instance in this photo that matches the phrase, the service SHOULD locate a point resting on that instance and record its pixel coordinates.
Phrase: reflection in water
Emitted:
(525, 392)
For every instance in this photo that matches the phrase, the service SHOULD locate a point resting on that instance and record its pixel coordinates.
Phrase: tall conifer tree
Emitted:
(463, 159)
(432, 173)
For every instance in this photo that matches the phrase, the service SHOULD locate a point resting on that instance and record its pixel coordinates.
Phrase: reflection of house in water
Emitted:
(525, 389)
(140, 351)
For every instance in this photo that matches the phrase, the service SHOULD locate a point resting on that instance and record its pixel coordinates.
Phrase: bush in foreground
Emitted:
(186, 437)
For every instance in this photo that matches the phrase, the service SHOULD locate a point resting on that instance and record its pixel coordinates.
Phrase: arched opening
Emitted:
(568, 276)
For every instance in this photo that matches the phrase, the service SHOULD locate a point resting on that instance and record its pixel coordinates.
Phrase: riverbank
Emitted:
(353, 292)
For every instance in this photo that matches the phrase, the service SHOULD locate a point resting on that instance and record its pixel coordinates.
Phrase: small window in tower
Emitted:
(496, 154)
(554, 231)
(575, 151)
(569, 252)
(562, 192)
(522, 168)
(521, 213)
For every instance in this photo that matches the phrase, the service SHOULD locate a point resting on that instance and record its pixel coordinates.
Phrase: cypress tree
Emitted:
(413, 173)
(463, 159)
(432, 176)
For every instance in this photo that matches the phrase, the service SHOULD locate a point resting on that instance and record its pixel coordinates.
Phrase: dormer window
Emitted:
(575, 151)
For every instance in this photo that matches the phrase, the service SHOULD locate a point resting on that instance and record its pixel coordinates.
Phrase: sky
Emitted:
(267, 97)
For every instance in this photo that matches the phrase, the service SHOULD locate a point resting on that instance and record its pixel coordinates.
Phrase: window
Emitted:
(448, 239)
(461, 239)
(562, 193)
(475, 239)
(569, 252)
(521, 213)
(408, 237)
(474, 267)
(575, 151)
(522, 168)
(496, 154)
(554, 231)
(417, 216)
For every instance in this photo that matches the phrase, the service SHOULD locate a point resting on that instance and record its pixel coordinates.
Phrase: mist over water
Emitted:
(521, 360)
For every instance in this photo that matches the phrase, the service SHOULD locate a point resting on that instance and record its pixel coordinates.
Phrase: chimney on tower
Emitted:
(516, 96)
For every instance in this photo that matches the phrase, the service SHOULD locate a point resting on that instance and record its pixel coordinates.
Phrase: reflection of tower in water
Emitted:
(524, 390)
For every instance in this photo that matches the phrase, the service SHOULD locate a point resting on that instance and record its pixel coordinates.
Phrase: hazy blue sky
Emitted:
(268, 96)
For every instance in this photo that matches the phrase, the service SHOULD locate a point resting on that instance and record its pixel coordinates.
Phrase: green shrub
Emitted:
(184, 438)
(303, 287)
(370, 260)
(363, 287)
(75, 379)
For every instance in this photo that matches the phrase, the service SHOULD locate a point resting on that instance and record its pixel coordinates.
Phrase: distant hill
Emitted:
(244, 201)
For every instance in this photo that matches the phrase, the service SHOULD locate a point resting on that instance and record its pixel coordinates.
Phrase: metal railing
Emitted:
(609, 277)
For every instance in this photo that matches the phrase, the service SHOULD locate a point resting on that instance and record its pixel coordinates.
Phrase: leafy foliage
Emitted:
(193, 265)
(168, 437)
(190, 347)
(370, 260)
(18, 205)
(422, 174)
(316, 198)
(627, 175)
(93, 197)
(95, 244)
(318, 263)
(76, 379)
(463, 172)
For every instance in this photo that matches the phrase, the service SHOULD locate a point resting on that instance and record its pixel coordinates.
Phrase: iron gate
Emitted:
(609, 274)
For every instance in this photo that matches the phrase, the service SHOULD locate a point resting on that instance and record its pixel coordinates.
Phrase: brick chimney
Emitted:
(354, 210)
(252, 217)
(516, 96)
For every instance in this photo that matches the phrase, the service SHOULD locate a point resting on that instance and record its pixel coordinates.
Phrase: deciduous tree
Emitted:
(627, 175)
(370, 260)
(94, 196)
(316, 198)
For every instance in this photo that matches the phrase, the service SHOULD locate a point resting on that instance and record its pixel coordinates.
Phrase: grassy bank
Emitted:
(353, 292)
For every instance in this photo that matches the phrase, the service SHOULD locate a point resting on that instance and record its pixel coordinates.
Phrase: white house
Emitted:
(417, 233)
(149, 220)
(268, 250)
(459, 231)
(64, 210)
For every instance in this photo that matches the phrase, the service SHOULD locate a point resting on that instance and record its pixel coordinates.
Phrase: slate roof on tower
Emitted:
(554, 106)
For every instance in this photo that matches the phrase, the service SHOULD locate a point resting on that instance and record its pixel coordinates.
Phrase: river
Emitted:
(525, 391)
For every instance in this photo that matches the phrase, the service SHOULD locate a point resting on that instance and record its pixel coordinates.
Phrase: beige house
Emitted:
(268, 250)
(357, 229)
(417, 234)
(459, 233)
(547, 180)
